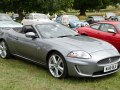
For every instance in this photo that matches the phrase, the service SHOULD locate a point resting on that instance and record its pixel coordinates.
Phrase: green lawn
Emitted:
(17, 74)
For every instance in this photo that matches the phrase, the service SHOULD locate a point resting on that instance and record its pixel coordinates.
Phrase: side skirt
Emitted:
(39, 63)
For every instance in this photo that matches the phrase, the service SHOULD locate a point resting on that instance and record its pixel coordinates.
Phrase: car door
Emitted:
(111, 37)
(93, 31)
(26, 47)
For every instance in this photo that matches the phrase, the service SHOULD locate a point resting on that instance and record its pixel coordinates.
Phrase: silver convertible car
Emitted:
(61, 50)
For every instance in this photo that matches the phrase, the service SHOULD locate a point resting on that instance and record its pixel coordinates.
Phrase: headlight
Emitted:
(79, 54)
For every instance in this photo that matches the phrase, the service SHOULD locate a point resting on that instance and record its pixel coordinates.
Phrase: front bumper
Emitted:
(92, 67)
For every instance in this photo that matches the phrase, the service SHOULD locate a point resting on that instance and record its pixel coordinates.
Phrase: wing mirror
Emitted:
(111, 30)
(30, 35)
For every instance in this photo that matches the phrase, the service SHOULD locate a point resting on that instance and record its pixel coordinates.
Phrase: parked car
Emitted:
(108, 15)
(35, 17)
(15, 16)
(72, 20)
(94, 19)
(7, 22)
(113, 18)
(108, 31)
(61, 50)
(118, 18)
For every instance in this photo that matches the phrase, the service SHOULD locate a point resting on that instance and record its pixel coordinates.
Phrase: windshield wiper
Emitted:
(64, 36)
(77, 35)
(67, 36)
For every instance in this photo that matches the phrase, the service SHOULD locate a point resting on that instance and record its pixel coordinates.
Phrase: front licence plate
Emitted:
(110, 67)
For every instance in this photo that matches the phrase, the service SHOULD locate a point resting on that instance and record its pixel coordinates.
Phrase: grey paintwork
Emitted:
(37, 49)
(8, 22)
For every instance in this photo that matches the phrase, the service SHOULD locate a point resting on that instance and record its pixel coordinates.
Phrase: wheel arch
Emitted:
(65, 72)
(49, 53)
(8, 54)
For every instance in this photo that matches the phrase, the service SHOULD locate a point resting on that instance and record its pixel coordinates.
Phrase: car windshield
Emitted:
(40, 17)
(72, 17)
(55, 31)
(118, 26)
(4, 17)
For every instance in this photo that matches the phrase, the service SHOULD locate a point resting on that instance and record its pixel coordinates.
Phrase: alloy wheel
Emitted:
(3, 49)
(56, 66)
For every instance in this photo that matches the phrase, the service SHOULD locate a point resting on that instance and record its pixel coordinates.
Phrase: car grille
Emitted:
(109, 60)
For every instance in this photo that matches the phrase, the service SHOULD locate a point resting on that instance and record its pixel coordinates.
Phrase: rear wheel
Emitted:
(4, 51)
(57, 65)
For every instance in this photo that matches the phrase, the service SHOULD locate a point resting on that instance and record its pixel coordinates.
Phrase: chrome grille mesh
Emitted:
(109, 60)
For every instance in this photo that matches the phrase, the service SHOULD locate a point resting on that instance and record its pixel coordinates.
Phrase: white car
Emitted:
(35, 17)
(7, 22)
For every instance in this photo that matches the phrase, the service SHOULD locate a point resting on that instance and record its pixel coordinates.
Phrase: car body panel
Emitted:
(31, 18)
(95, 19)
(8, 22)
(72, 22)
(109, 14)
(113, 38)
(37, 49)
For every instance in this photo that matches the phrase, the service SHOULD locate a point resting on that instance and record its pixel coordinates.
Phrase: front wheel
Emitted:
(4, 51)
(57, 65)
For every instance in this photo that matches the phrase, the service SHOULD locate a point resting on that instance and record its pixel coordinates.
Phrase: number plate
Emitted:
(110, 67)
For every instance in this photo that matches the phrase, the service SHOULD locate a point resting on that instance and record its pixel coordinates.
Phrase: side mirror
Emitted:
(30, 35)
(111, 30)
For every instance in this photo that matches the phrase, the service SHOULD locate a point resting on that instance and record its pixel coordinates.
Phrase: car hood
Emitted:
(9, 24)
(84, 43)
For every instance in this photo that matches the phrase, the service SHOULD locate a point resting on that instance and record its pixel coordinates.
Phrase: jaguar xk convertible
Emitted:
(61, 50)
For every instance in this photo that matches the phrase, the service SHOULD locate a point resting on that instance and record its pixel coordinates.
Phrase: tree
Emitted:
(83, 5)
(42, 6)
(53, 6)
(114, 2)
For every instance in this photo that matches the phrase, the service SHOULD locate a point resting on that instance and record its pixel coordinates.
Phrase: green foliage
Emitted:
(52, 6)
(43, 6)
(84, 5)
(115, 3)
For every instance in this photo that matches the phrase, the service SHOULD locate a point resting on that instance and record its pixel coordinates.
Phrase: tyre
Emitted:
(57, 65)
(4, 51)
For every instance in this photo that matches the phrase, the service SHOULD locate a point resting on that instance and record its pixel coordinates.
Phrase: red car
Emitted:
(108, 31)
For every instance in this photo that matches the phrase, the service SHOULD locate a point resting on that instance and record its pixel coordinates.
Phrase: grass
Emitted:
(17, 74)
